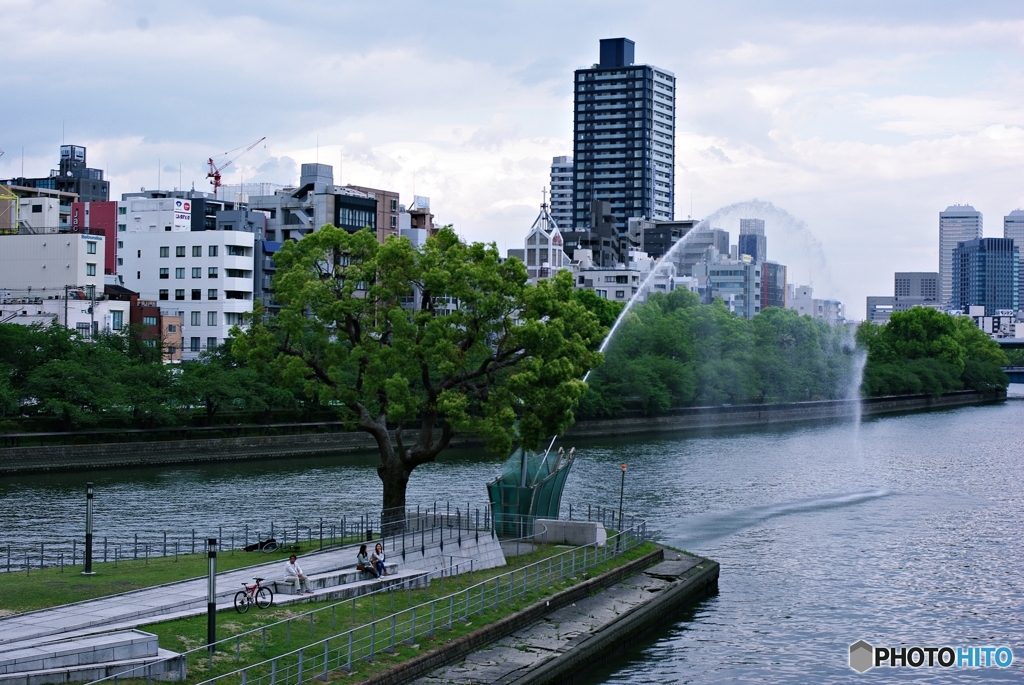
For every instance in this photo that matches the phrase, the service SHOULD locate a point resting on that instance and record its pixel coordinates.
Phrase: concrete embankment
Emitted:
(750, 415)
(29, 459)
(564, 635)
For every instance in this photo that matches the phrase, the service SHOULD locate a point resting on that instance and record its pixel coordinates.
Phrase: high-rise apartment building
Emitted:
(1013, 228)
(561, 191)
(752, 240)
(916, 284)
(956, 225)
(773, 285)
(985, 273)
(624, 138)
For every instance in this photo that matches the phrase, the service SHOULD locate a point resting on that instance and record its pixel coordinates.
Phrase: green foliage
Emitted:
(51, 374)
(446, 338)
(675, 352)
(605, 310)
(926, 351)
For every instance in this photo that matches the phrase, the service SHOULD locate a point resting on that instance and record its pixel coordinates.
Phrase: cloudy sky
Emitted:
(858, 125)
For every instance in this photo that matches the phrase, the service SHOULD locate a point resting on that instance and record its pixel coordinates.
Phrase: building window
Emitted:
(165, 252)
(394, 206)
(211, 343)
(195, 318)
(197, 294)
(195, 344)
(237, 273)
(211, 294)
(149, 321)
(179, 251)
(122, 210)
(233, 318)
(211, 318)
(197, 272)
(90, 269)
(620, 294)
(90, 247)
(82, 329)
(179, 272)
(235, 251)
(212, 272)
(165, 273)
(163, 295)
(603, 294)
(121, 228)
(179, 294)
(138, 275)
(138, 254)
(213, 251)
(197, 250)
(172, 350)
(116, 320)
(394, 222)
(172, 328)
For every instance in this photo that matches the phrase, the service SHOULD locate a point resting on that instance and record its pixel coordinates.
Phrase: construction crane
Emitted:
(215, 169)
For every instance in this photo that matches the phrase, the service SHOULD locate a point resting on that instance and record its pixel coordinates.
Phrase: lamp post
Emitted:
(622, 490)
(211, 594)
(87, 570)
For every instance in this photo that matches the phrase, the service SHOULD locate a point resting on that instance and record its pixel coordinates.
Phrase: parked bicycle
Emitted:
(257, 594)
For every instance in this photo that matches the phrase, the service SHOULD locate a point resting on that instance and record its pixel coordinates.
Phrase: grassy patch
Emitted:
(49, 587)
(183, 634)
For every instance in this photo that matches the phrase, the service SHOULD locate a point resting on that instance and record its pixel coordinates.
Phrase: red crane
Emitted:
(215, 170)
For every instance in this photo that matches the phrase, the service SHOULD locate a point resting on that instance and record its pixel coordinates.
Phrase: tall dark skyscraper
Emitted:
(985, 272)
(624, 138)
(752, 240)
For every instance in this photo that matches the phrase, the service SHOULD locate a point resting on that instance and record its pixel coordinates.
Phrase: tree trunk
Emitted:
(395, 479)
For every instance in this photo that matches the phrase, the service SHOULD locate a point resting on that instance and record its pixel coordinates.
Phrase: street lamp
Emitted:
(211, 594)
(87, 571)
(622, 490)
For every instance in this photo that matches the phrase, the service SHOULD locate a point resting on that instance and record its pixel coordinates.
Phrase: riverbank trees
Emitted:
(675, 352)
(926, 351)
(413, 345)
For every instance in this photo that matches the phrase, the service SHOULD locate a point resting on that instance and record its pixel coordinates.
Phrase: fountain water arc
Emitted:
(753, 208)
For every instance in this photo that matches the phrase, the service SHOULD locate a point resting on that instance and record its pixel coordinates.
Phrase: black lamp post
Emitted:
(87, 571)
(211, 594)
(622, 490)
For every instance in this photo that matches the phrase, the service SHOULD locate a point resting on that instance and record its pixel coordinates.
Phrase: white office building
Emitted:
(959, 223)
(561, 191)
(206, 276)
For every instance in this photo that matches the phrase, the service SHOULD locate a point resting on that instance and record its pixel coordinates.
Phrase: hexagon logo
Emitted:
(862, 656)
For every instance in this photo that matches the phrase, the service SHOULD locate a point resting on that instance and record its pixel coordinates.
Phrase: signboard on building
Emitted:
(182, 215)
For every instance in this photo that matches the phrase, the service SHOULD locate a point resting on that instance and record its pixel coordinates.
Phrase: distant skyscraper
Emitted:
(752, 240)
(624, 138)
(957, 224)
(985, 272)
(561, 192)
(1013, 228)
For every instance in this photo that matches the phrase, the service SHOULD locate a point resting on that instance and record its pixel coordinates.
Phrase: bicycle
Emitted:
(257, 594)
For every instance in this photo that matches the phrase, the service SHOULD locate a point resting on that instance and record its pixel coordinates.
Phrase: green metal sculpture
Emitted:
(529, 487)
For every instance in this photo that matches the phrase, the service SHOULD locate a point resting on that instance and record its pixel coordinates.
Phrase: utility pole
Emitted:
(211, 595)
(87, 571)
(622, 490)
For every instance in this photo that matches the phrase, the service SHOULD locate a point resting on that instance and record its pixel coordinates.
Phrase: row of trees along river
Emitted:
(505, 363)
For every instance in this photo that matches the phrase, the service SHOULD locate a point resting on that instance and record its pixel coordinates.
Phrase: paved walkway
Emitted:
(166, 601)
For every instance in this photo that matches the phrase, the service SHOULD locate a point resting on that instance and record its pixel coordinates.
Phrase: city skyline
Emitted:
(895, 112)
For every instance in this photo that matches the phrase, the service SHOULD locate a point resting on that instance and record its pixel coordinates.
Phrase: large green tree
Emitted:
(417, 344)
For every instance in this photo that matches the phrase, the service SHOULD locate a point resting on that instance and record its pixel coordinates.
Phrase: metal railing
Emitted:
(400, 530)
(342, 650)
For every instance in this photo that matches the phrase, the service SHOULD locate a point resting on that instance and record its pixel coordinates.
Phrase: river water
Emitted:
(902, 530)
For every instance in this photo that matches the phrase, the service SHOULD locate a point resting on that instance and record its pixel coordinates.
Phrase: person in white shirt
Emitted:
(293, 574)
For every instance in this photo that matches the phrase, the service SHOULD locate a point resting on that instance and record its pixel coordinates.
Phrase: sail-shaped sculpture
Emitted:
(529, 487)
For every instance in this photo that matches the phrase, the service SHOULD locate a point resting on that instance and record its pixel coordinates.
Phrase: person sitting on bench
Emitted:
(363, 562)
(293, 574)
(378, 560)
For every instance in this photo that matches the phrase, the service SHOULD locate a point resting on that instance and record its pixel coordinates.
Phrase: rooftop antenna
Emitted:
(318, 148)
(158, 173)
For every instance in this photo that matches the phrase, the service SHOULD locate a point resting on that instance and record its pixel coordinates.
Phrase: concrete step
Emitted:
(164, 665)
(93, 649)
(412, 578)
(319, 581)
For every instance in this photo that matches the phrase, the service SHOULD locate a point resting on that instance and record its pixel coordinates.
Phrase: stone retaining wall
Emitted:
(70, 457)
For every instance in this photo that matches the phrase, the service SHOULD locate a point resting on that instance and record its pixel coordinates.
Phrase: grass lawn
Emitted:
(49, 587)
(184, 634)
